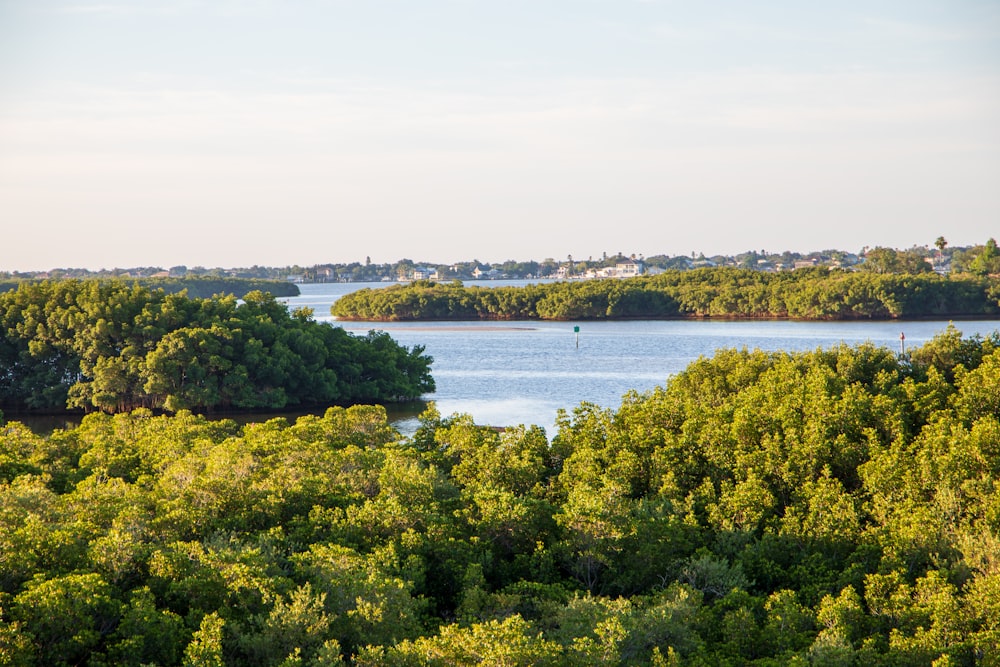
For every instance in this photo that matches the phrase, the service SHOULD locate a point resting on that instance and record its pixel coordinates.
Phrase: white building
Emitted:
(628, 269)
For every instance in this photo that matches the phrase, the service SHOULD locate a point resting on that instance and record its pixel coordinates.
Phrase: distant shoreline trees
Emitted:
(815, 294)
(201, 287)
(941, 257)
(116, 346)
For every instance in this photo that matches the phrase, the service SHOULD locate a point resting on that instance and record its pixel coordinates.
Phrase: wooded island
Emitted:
(817, 293)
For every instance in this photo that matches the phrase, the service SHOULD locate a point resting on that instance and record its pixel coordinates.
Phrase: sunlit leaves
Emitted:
(831, 507)
(67, 616)
(508, 643)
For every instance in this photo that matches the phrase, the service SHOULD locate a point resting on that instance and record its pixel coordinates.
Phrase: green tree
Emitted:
(67, 616)
(507, 643)
(146, 635)
(205, 649)
(887, 260)
(987, 260)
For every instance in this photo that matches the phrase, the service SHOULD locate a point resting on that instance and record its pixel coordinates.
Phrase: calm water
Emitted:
(505, 373)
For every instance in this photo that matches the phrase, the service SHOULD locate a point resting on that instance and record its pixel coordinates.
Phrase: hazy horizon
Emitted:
(474, 257)
(255, 132)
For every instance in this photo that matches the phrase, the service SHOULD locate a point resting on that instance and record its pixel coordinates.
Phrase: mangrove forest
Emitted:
(115, 345)
(835, 507)
(816, 293)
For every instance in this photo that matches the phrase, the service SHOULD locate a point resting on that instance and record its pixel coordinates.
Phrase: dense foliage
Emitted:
(116, 346)
(201, 287)
(838, 507)
(721, 292)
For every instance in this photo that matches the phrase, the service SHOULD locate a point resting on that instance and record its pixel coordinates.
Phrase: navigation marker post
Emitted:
(576, 330)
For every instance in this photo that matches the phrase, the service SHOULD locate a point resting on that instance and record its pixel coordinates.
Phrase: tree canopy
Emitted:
(194, 286)
(115, 346)
(834, 507)
(817, 293)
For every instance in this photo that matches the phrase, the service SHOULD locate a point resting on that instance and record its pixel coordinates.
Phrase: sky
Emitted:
(229, 133)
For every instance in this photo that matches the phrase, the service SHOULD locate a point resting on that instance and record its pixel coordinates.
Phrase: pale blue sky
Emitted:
(232, 133)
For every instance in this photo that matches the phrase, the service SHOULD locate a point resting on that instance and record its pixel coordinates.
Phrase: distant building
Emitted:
(624, 269)
(628, 269)
(489, 274)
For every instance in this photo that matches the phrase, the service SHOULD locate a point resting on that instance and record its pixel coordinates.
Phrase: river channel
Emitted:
(508, 373)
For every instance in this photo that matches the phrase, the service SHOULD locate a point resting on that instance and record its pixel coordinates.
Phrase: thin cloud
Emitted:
(88, 9)
(927, 32)
(133, 9)
(180, 7)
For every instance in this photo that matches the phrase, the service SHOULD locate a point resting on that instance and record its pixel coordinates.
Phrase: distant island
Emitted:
(815, 293)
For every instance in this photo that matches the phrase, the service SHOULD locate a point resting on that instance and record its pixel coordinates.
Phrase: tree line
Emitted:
(817, 293)
(201, 287)
(116, 346)
(979, 259)
(834, 507)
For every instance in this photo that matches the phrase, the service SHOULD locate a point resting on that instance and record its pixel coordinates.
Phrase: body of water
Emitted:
(507, 373)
